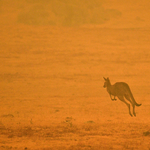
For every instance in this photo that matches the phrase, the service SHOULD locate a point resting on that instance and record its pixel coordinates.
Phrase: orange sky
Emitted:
(108, 13)
(135, 13)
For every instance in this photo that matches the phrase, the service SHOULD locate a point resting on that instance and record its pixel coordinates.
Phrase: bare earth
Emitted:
(52, 95)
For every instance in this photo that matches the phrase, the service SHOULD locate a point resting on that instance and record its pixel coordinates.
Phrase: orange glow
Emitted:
(53, 57)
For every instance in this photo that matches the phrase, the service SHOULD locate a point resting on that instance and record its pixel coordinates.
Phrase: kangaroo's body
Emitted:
(122, 91)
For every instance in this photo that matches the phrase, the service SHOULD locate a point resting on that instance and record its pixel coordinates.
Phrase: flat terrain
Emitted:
(51, 88)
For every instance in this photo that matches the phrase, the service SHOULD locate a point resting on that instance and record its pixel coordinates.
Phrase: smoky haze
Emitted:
(58, 12)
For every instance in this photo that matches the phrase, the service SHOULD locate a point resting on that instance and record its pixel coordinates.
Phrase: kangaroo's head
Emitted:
(107, 82)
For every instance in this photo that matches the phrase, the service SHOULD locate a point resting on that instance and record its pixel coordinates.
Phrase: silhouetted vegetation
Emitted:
(66, 13)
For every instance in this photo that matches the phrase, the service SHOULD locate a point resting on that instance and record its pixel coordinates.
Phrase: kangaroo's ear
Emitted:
(104, 78)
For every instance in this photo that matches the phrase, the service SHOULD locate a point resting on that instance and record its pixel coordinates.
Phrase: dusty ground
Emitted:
(52, 94)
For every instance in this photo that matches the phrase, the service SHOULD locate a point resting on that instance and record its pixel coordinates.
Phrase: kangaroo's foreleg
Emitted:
(113, 99)
(128, 105)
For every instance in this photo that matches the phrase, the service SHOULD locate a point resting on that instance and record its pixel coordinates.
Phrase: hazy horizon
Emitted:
(107, 13)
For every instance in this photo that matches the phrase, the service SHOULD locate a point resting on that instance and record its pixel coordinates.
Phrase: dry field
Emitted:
(51, 88)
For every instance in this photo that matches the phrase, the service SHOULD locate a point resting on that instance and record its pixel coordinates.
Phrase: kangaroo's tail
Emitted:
(138, 104)
(134, 99)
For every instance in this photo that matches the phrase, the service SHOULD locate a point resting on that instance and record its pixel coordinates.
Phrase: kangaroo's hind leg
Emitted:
(128, 105)
(133, 105)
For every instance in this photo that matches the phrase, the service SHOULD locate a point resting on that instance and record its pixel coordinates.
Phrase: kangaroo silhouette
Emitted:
(122, 91)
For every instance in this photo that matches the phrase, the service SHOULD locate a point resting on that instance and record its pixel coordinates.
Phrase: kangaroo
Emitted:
(122, 91)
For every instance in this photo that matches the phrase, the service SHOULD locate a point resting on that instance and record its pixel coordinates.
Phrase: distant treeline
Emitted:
(65, 12)
(62, 12)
